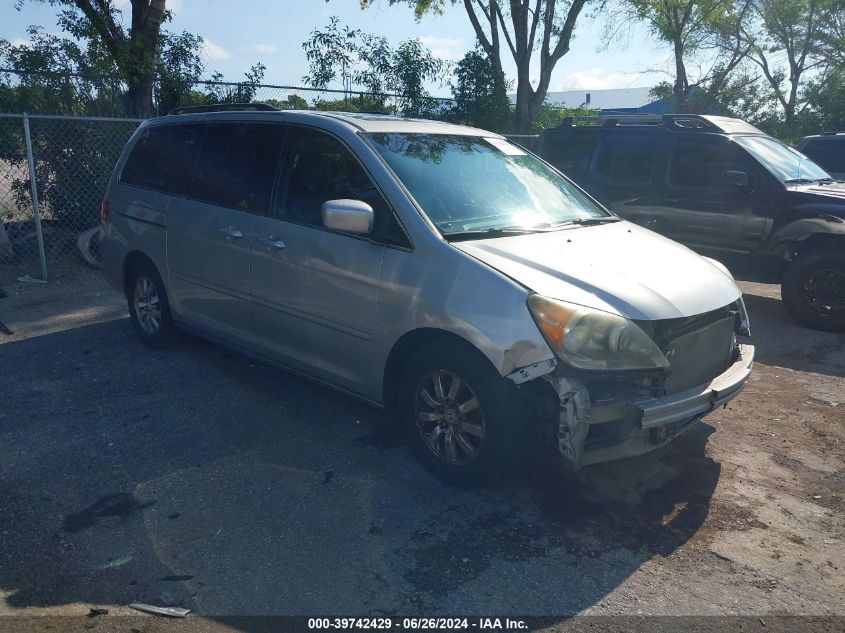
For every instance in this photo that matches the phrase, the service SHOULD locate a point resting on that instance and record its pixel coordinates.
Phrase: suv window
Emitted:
(570, 153)
(700, 162)
(829, 154)
(318, 168)
(162, 158)
(237, 164)
(628, 158)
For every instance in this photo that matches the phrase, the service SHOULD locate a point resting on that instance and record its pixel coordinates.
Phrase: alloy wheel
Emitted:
(449, 417)
(147, 305)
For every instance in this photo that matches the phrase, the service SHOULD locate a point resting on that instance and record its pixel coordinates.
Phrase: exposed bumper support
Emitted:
(640, 426)
(699, 401)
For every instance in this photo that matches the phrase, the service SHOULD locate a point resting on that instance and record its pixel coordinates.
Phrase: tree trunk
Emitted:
(681, 82)
(141, 57)
(524, 94)
(139, 99)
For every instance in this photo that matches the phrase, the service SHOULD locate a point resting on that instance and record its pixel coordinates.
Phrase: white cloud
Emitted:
(268, 49)
(451, 48)
(214, 52)
(19, 41)
(599, 79)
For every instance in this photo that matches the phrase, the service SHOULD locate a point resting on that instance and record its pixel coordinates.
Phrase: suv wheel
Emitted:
(461, 418)
(813, 290)
(148, 306)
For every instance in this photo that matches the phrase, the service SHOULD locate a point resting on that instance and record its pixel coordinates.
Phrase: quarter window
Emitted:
(627, 158)
(236, 165)
(162, 158)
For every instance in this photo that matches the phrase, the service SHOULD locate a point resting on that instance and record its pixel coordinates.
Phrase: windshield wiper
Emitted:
(590, 221)
(482, 234)
(801, 181)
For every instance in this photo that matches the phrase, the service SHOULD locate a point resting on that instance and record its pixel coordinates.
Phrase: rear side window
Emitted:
(570, 153)
(237, 164)
(828, 154)
(162, 158)
(628, 159)
(701, 162)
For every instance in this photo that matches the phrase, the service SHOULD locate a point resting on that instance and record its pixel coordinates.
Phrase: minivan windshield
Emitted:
(785, 163)
(473, 186)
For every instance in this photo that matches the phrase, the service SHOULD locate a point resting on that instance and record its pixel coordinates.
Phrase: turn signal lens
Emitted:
(104, 209)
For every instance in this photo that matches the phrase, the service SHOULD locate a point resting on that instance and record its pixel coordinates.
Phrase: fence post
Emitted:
(35, 206)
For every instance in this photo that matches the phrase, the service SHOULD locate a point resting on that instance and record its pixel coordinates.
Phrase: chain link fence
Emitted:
(56, 161)
(53, 174)
(78, 95)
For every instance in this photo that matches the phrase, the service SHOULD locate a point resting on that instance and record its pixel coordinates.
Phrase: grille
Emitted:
(697, 357)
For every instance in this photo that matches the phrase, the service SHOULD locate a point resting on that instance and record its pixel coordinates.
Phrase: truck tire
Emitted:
(813, 290)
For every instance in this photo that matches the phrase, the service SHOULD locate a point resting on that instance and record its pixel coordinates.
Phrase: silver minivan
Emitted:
(436, 270)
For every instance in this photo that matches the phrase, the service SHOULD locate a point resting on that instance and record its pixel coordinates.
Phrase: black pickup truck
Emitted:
(723, 188)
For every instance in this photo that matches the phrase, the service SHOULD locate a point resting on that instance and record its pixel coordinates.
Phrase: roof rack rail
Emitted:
(224, 107)
(689, 122)
(676, 121)
(609, 120)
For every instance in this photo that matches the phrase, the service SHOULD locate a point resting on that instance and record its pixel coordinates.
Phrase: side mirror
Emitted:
(349, 216)
(734, 179)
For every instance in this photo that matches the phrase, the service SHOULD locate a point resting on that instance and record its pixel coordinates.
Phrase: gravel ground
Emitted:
(200, 478)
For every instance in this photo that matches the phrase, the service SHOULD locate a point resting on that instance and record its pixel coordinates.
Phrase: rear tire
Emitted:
(813, 290)
(468, 432)
(149, 309)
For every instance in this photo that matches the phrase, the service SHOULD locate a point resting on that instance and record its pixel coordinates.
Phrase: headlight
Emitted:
(591, 339)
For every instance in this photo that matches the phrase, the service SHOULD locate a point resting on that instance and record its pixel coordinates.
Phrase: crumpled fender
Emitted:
(573, 418)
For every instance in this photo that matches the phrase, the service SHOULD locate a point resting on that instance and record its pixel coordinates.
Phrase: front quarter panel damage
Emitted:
(573, 418)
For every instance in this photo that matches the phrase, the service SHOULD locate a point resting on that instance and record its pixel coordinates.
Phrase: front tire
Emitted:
(813, 290)
(149, 309)
(461, 418)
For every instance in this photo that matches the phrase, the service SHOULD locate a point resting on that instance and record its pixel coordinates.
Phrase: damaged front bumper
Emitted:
(590, 433)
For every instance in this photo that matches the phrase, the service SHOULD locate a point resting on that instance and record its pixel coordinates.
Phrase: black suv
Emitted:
(827, 150)
(722, 187)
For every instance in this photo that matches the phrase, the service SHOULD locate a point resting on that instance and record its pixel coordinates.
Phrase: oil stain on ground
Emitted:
(120, 505)
(453, 548)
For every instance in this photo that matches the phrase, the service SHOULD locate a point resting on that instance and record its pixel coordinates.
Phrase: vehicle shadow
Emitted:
(201, 478)
(781, 342)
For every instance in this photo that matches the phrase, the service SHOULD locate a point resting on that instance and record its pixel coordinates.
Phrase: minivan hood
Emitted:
(617, 267)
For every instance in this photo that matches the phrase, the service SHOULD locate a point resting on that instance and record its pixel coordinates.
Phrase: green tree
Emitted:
(480, 99)
(364, 62)
(694, 29)
(521, 28)
(134, 52)
(792, 30)
(825, 97)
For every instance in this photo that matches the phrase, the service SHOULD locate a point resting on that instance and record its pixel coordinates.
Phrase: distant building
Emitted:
(613, 101)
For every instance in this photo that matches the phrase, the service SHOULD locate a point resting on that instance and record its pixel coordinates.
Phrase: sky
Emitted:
(238, 33)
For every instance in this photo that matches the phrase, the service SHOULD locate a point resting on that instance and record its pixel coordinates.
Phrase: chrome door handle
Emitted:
(272, 242)
(231, 232)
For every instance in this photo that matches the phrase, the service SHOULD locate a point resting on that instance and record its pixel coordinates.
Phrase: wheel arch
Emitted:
(413, 341)
(132, 259)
